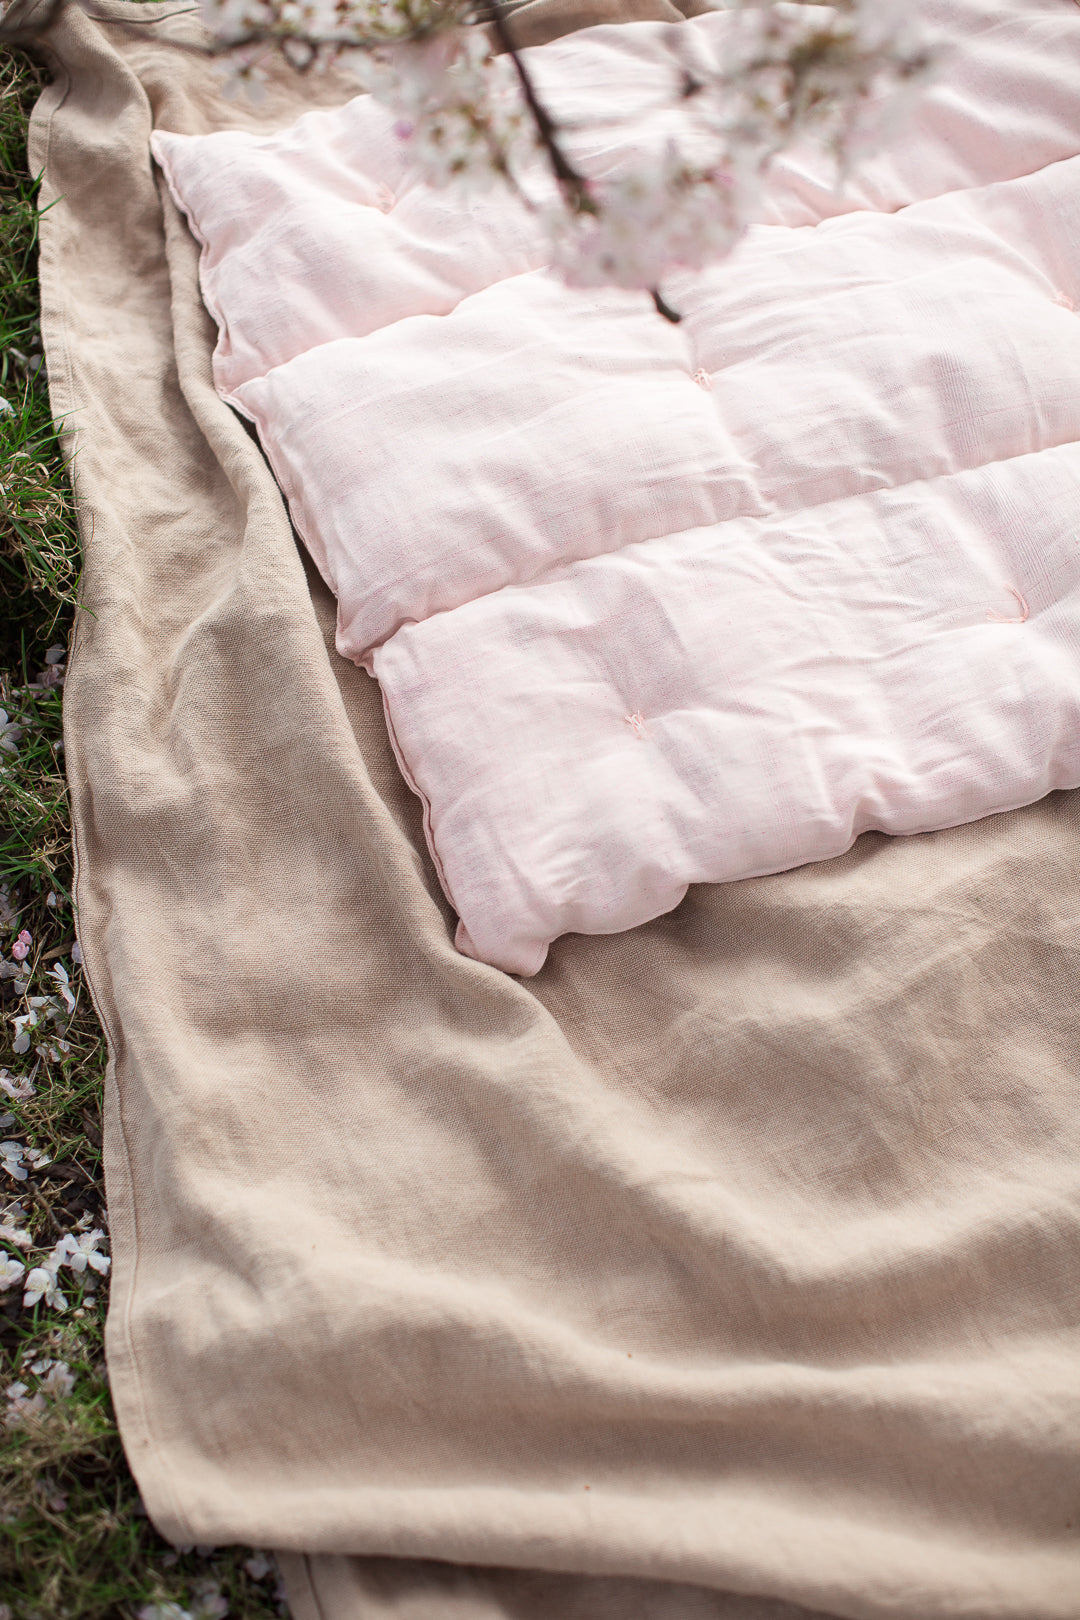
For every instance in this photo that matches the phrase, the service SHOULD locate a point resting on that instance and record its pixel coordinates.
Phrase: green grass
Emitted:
(75, 1543)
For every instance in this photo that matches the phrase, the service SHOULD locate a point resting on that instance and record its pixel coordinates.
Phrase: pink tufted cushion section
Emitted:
(653, 605)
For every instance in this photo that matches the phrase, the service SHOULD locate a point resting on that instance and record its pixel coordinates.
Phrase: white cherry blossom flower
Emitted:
(458, 108)
(11, 1272)
(11, 1160)
(9, 734)
(58, 1382)
(63, 984)
(19, 1089)
(10, 1229)
(80, 1252)
(24, 1023)
(208, 1601)
(41, 1284)
(43, 1009)
(20, 1405)
(667, 213)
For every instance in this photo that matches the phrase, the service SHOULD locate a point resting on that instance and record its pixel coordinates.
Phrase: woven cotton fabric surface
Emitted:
(728, 1268)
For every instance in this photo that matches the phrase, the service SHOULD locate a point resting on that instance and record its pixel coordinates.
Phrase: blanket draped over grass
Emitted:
(725, 1271)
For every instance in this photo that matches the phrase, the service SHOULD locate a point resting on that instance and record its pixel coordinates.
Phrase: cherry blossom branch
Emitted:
(572, 184)
(783, 70)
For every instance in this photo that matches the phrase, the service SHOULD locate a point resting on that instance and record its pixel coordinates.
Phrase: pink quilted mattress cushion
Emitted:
(653, 605)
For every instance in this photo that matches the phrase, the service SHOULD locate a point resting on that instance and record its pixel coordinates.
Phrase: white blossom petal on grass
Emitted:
(50, 1493)
(6, 407)
(76, 953)
(9, 734)
(11, 1272)
(41, 1284)
(48, 1007)
(24, 1023)
(63, 984)
(208, 1602)
(80, 1252)
(58, 1382)
(21, 1406)
(11, 1157)
(259, 1566)
(43, 1009)
(19, 1089)
(163, 1611)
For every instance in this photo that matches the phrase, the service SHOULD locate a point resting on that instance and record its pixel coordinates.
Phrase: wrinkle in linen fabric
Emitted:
(385, 1589)
(759, 1221)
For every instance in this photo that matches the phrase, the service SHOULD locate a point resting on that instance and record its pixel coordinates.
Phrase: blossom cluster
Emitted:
(13, 731)
(79, 1252)
(473, 118)
(207, 1601)
(55, 1383)
(47, 1016)
(465, 123)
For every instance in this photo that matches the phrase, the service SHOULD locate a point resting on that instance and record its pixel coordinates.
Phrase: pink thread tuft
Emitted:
(637, 725)
(1003, 618)
(702, 379)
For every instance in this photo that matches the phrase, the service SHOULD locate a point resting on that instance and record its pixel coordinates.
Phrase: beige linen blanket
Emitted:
(726, 1270)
